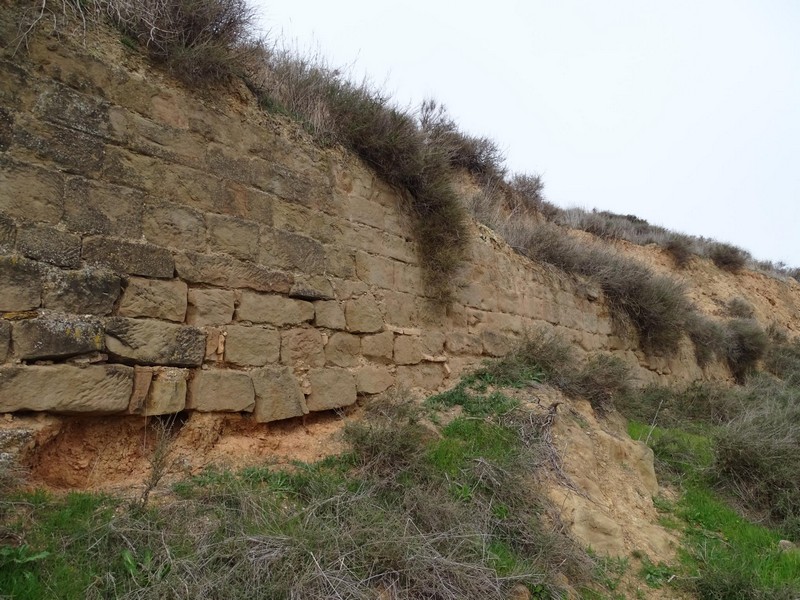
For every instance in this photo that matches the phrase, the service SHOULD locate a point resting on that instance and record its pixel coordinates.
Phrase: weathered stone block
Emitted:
(331, 388)
(496, 344)
(426, 376)
(129, 257)
(143, 341)
(210, 307)
(165, 391)
(168, 224)
(375, 270)
(343, 349)
(30, 193)
(49, 245)
(459, 342)
(273, 309)
(233, 236)
(374, 379)
(88, 291)
(313, 287)
(221, 391)
(407, 350)
(398, 308)
(330, 314)
(5, 339)
(98, 389)
(224, 271)
(157, 298)
(278, 394)
(8, 234)
(252, 346)
(102, 209)
(56, 336)
(380, 345)
(302, 347)
(291, 251)
(20, 284)
(432, 343)
(362, 315)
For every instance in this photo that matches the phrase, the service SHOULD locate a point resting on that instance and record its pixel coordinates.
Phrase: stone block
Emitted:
(98, 208)
(425, 376)
(343, 349)
(210, 307)
(331, 388)
(30, 192)
(8, 234)
(362, 315)
(225, 271)
(168, 224)
(408, 278)
(432, 343)
(375, 270)
(20, 284)
(149, 342)
(217, 390)
(380, 345)
(329, 314)
(278, 394)
(164, 392)
(50, 245)
(90, 291)
(5, 339)
(312, 287)
(242, 201)
(56, 335)
(156, 298)
(97, 389)
(233, 236)
(407, 350)
(129, 257)
(399, 308)
(291, 251)
(273, 309)
(459, 342)
(252, 346)
(302, 347)
(374, 379)
(496, 344)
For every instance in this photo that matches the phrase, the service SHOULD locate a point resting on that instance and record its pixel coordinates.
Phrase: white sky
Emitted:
(684, 113)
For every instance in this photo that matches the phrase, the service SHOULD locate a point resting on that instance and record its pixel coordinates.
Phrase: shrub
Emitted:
(783, 360)
(747, 345)
(710, 338)
(740, 308)
(727, 257)
(601, 380)
(679, 247)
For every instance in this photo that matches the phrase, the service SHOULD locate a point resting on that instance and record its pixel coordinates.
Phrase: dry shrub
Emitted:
(710, 338)
(680, 249)
(747, 345)
(727, 257)
(783, 359)
(740, 308)
(527, 196)
(602, 379)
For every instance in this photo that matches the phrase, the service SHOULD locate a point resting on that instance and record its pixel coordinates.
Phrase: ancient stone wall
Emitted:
(165, 250)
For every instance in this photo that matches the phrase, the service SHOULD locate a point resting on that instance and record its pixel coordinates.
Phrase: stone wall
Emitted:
(163, 250)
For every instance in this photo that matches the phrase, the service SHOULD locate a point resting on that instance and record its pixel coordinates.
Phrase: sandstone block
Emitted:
(221, 391)
(432, 343)
(210, 307)
(408, 278)
(291, 251)
(8, 234)
(129, 257)
(273, 309)
(374, 379)
(88, 291)
(343, 349)
(375, 270)
(312, 287)
(49, 245)
(459, 342)
(144, 341)
(252, 346)
(398, 308)
(380, 345)
(31, 193)
(426, 376)
(233, 236)
(168, 224)
(329, 314)
(20, 284)
(278, 394)
(5, 339)
(164, 391)
(496, 344)
(362, 315)
(98, 389)
(331, 388)
(156, 298)
(103, 209)
(225, 271)
(56, 336)
(407, 350)
(302, 347)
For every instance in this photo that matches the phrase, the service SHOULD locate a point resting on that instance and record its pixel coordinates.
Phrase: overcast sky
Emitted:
(684, 113)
